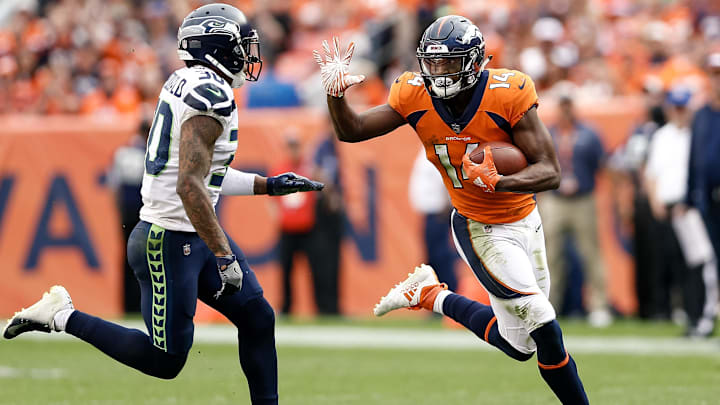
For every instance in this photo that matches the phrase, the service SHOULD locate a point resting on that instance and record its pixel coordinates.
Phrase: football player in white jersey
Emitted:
(178, 251)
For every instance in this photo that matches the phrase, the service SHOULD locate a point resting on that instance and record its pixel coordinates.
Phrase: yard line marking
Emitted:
(33, 373)
(440, 339)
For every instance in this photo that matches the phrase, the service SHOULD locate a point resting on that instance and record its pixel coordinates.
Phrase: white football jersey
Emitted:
(187, 92)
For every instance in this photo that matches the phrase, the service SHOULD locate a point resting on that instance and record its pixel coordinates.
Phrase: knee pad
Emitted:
(518, 317)
(534, 311)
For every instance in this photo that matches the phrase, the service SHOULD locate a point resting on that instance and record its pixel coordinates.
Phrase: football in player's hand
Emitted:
(508, 158)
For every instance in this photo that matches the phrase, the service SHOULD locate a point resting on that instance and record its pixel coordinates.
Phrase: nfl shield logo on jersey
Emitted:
(186, 249)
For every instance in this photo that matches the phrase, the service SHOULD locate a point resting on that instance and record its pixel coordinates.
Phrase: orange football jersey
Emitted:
(500, 100)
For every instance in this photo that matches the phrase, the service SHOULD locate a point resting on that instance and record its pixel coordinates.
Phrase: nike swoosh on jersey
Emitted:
(219, 94)
(522, 86)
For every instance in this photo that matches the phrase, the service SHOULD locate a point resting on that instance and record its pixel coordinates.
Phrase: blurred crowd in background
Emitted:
(105, 56)
(112, 56)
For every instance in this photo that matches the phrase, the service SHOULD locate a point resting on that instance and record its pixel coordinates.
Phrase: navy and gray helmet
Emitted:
(451, 56)
(220, 35)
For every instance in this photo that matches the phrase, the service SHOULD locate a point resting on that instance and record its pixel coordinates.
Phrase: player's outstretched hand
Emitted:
(334, 68)
(485, 174)
(290, 182)
(231, 275)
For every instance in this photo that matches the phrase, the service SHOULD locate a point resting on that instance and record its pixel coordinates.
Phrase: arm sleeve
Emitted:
(207, 98)
(238, 183)
(524, 99)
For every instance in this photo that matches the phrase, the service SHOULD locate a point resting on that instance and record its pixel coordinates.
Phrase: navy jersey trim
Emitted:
(216, 180)
(459, 125)
(501, 122)
(414, 117)
(193, 102)
(208, 97)
(211, 92)
(225, 112)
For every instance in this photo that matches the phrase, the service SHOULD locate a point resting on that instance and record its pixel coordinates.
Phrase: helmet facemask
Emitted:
(447, 73)
(249, 52)
(245, 63)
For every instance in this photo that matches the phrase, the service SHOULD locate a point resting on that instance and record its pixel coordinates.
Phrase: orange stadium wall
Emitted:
(58, 222)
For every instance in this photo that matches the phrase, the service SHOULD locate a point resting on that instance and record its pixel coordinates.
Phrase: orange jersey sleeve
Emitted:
(406, 94)
(510, 94)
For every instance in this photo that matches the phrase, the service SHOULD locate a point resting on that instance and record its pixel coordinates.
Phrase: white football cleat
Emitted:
(418, 291)
(40, 316)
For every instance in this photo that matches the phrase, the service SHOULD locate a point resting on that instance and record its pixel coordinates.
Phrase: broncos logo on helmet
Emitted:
(471, 33)
(451, 56)
(219, 35)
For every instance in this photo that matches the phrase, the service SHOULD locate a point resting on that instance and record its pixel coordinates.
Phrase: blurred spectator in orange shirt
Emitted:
(112, 95)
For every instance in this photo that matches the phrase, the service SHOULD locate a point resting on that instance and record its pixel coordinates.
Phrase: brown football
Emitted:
(508, 158)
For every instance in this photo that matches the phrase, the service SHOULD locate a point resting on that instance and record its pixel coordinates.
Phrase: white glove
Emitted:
(231, 275)
(334, 69)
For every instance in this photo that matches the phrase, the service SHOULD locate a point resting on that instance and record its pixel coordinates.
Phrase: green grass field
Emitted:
(46, 371)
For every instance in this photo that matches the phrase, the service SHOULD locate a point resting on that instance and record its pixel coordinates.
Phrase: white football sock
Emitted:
(438, 304)
(61, 318)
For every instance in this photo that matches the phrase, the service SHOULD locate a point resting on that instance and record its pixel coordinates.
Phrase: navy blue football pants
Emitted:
(174, 269)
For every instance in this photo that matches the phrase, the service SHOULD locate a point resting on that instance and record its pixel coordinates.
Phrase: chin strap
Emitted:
(237, 79)
(484, 63)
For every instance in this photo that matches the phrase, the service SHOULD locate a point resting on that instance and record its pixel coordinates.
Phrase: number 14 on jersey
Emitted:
(441, 150)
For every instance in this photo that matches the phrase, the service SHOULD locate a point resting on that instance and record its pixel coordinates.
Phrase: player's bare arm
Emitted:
(260, 185)
(352, 127)
(543, 171)
(197, 141)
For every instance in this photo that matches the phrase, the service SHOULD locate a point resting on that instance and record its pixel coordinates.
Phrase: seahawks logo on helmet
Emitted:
(218, 26)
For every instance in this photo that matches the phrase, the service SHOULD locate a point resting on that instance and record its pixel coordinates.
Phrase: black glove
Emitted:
(231, 275)
(288, 183)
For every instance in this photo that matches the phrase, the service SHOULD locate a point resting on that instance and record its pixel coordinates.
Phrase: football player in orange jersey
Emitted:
(455, 104)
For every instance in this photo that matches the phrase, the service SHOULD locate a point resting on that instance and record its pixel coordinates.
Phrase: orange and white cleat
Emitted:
(418, 291)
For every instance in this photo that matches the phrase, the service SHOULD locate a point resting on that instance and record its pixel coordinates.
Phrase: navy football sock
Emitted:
(131, 347)
(480, 319)
(255, 321)
(556, 366)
